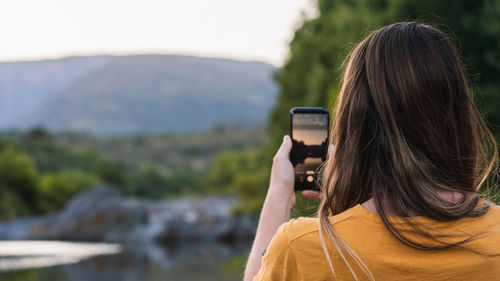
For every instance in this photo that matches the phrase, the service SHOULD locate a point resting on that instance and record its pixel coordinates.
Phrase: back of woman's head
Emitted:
(406, 130)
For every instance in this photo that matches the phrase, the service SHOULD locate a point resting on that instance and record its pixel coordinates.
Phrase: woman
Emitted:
(399, 196)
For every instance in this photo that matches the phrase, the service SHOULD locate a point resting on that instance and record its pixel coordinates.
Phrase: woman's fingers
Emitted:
(311, 194)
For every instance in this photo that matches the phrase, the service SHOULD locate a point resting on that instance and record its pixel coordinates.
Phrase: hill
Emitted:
(123, 95)
(24, 86)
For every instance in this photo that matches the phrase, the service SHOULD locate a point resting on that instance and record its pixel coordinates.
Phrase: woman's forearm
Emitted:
(275, 212)
(279, 201)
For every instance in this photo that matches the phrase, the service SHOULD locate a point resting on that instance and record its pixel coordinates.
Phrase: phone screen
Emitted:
(310, 141)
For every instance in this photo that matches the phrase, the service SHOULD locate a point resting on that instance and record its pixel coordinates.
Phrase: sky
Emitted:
(236, 29)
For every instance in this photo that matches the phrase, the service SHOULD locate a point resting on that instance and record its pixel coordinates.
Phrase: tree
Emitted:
(240, 174)
(56, 189)
(18, 184)
(311, 75)
(149, 182)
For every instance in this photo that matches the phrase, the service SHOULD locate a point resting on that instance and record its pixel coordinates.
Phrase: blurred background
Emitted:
(137, 136)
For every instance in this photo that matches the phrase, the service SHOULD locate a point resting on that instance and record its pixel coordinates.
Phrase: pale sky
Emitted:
(238, 29)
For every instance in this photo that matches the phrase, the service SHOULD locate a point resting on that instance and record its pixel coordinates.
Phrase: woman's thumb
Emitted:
(286, 146)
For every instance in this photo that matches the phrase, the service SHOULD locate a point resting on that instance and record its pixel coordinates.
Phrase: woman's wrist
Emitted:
(280, 196)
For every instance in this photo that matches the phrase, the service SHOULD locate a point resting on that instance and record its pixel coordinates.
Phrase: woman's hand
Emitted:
(283, 176)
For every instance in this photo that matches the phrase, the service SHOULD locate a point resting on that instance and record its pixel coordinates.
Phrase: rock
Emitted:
(103, 214)
(197, 220)
(27, 228)
(100, 214)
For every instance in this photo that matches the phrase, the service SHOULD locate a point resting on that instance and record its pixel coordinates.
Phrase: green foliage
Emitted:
(22, 275)
(166, 151)
(110, 172)
(240, 173)
(184, 179)
(312, 74)
(50, 156)
(41, 171)
(234, 265)
(35, 274)
(150, 182)
(56, 188)
(17, 170)
(18, 179)
(227, 165)
(12, 205)
(23, 191)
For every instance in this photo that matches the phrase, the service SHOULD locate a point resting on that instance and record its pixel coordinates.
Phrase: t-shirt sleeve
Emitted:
(278, 262)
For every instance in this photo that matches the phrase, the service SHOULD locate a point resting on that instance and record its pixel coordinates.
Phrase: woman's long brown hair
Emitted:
(406, 129)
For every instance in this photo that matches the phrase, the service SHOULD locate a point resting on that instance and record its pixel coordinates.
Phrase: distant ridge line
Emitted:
(130, 94)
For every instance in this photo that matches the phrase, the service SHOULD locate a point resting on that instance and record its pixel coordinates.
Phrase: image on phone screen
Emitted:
(309, 132)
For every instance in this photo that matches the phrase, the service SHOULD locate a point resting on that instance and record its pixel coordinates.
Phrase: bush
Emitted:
(18, 184)
(56, 189)
(240, 174)
(150, 183)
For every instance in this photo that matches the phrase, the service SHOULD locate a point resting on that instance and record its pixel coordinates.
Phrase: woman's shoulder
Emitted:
(298, 227)
(302, 226)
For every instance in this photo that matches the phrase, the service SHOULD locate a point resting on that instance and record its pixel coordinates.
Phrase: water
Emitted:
(54, 261)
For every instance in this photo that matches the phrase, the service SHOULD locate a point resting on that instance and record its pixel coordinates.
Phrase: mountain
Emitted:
(120, 95)
(26, 85)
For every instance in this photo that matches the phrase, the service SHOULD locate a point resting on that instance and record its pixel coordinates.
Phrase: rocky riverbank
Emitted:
(103, 214)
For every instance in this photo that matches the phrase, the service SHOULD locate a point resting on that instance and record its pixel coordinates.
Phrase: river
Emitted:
(66, 261)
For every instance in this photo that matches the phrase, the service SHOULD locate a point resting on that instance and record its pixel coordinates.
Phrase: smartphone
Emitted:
(309, 131)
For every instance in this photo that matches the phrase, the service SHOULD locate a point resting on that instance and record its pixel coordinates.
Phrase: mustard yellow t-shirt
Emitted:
(295, 252)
